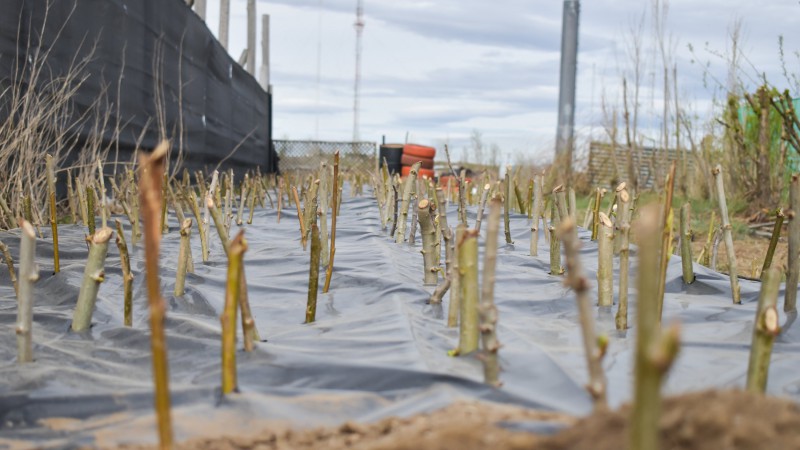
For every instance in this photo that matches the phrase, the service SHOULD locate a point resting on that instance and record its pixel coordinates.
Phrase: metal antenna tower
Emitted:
(359, 26)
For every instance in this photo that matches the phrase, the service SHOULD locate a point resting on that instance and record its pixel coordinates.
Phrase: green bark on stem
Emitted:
(176, 205)
(666, 238)
(324, 185)
(623, 216)
(127, 276)
(594, 346)
(27, 277)
(183, 258)
(529, 199)
(605, 262)
(310, 206)
(686, 244)
(210, 192)
(654, 352)
(280, 199)
(164, 205)
(335, 200)
(666, 242)
(136, 232)
(444, 286)
(101, 194)
(152, 170)
(598, 197)
(728, 235)
(621, 319)
(73, 211)
(765, 330)
(535, 216)
(429, 247)
(488, 310)
(408, 188)
(51, 194)
(300, 218)
(228, 319)
(560, 198)
(482, 206)
(438, 204)
(555, 243)
(773, 242)
(393, 203)
(201, 230)
(122, 199)
(242, 198)
(254, 194)
(447, 236)
(573, 209)
(90, 208)
(380, 197)
(793, 269)
(313, 275)
(218, 223)
(454, 308)
(80, 192)
(249, 329)
(507, 207)
(227, 210)
(468, 271)
(93, 275)
(623, 230)
(610, 210)
(462, 198)
(412, 232)
(520, 199)
(388, 202)
(10, 263)
(705, 257)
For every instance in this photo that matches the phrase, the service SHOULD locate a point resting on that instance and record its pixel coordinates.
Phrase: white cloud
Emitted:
(438, 69)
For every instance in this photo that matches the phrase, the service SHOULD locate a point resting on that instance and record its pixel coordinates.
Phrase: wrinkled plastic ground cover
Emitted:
(377, 349)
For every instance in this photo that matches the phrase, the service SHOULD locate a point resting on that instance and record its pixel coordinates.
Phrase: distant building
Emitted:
(608, 166)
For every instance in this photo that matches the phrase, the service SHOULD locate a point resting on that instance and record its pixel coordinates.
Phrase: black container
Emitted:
(392, 153)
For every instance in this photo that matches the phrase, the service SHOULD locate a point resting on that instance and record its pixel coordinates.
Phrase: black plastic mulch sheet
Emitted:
(377, 349)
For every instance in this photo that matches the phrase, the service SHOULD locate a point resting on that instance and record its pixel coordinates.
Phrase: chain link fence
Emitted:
(358, 157)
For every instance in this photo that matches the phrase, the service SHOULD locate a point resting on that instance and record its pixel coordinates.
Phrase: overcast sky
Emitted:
(439, 69)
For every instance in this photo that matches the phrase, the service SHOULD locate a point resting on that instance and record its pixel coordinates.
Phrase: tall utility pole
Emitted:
(566, 89)
(251, 37)
(200, 8)
(359, 26)
(264, 78)
(224, 20)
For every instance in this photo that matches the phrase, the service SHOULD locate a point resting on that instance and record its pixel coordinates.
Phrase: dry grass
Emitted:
(40, 118)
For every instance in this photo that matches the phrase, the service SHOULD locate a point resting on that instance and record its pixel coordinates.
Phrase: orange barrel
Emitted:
(410, 160)
(423, 173)
(420, 151)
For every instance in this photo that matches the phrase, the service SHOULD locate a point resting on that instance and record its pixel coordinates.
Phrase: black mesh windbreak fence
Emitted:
(307, 155)
(136, 70)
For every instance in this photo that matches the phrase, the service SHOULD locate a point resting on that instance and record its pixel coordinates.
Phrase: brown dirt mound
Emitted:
(703, 420)
(463, 425)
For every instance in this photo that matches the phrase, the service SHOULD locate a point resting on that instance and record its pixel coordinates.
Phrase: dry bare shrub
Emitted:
(39, 117)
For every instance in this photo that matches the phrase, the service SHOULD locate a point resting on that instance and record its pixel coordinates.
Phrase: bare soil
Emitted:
(702, 420)
(750, 253)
